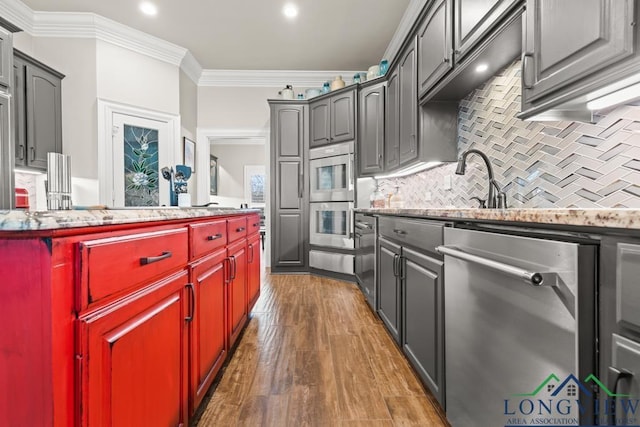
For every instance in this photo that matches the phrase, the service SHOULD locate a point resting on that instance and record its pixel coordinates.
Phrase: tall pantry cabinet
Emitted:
(290, 193)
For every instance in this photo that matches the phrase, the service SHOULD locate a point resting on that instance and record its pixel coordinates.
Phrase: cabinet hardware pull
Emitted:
(21, 151)
(239, 229)
(327, 139)
(256, 224)
(152, 259)
(215, 237)
(227, 270)
(33, 153)
(363, 225)
(400, 232)
(192, 301)
(232, 267)
(401, 268)
(615, 375)
(300, 185)
(445, 60)
(251, 252)
(396, 258)
(526, 73)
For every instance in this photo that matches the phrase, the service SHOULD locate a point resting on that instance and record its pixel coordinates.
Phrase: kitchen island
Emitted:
(120, 316)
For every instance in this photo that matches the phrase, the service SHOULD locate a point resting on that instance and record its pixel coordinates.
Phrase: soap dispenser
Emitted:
(395, 201)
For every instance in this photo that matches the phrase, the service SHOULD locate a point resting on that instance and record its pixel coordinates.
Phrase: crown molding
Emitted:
(406, 23)
(269, 78)
(191, 67)
(240, 136)
(90, 25)
(18, 14)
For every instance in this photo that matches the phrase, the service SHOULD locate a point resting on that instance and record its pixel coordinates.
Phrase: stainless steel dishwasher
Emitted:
(517, 311)
(365, 265)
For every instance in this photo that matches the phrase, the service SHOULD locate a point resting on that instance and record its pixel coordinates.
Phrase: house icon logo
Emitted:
(570, 387)
(565, 401)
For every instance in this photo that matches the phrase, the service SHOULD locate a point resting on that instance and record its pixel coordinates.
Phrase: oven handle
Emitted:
(351, 171)
(529, 277)
(300, 185)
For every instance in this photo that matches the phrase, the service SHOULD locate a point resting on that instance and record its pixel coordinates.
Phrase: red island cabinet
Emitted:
(237, 277)
(253, 260)
(118, 325)
(208, 329)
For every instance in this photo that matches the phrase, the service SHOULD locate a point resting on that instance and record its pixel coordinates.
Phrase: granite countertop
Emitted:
(605, 218)
(20, 220)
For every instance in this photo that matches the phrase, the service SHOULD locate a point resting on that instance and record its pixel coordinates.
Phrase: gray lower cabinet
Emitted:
(410, 294)
(371, 130)
(332, 118)
(38, 112)
(473, 19)
(289, 191)
(619, 299)
(597, 41)
(389, 286)
(435, 51)
(422, 314)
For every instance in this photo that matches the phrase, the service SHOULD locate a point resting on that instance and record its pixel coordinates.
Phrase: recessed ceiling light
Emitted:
(482, 68)
(148, 8)
(290, 10)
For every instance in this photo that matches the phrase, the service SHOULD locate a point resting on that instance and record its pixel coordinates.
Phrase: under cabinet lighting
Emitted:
(626, 94)
(410, 170)
(482, 68)
(290, 11)
(148, 8)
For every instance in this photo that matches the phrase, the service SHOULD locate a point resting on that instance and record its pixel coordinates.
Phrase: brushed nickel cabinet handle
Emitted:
(215, 237)
(33, 153)
(192, 304)
(152, 259)
(21, 151)
(239, 229)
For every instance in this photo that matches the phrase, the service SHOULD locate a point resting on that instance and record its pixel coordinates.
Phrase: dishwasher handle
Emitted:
(529, 277)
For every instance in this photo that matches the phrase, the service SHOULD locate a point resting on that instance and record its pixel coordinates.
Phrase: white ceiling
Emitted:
(255, 35)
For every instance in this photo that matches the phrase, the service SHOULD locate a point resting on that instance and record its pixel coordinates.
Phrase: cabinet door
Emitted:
(6, 58)
(253, 271)
(208, 332)
(320, 117)
(408, 106)
(598, 34)
(474, 19)
(389, 287)
(19, 111)
(392, 131)
(134, 358)
(7, 192)
(44, 115)
(371, 134)
(342, 117)
(434, 45)
(422, 318)
(237, 289)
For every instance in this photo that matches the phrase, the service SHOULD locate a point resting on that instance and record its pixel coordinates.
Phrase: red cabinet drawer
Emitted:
(207, 236)
(111, 265)
(253, 224)
(236, 228)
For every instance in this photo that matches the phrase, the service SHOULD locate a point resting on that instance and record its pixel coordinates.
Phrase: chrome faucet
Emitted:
(495, 199)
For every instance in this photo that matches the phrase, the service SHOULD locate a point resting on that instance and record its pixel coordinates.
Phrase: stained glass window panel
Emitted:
(141, 166)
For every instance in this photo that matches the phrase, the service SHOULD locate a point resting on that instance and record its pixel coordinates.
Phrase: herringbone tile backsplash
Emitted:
(540, 164)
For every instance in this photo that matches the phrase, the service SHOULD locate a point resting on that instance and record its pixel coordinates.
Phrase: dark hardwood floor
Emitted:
(313, 354)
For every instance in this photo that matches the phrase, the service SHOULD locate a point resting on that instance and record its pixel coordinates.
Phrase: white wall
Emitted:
(232, 158)
(189, 123)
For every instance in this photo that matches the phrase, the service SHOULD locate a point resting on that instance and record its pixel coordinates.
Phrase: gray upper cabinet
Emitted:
(408, 105)
(6, 54)
(371, 133)
(475, 18)
(289, 193)
(560, 52)
(332, 119)
(435, 50)
(320, 126)
(38, 112)
(343, 117)
(392, 128)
